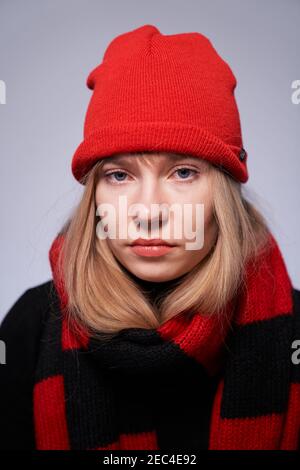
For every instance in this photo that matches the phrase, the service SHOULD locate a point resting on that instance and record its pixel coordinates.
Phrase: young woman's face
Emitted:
(158, 178)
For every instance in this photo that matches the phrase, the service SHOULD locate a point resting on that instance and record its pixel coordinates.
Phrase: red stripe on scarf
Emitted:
(49, 410)
(268, 288)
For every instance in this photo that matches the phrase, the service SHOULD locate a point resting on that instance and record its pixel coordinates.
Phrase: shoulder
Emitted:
(21, 331)
(296, 321)
(21, 327)
(296, 313)
(29, 310)
(295, 378)
(296, 301)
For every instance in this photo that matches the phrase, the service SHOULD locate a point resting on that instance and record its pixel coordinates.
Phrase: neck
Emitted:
(155, 289)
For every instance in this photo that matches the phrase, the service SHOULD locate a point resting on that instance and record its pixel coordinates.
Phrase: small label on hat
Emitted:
(243, 154)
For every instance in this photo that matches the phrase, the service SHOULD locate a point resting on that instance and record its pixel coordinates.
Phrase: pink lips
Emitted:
(154, 247)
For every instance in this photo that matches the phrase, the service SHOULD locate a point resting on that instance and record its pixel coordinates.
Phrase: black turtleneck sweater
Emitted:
(155, 290)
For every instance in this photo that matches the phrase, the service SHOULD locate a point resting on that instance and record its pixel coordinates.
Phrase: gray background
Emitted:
(47, 49)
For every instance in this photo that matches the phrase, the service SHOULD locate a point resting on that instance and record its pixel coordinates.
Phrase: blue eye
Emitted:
(117, 174)
(184, 170)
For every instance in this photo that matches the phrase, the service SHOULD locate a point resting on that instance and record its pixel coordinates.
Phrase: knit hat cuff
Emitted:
(158, 137)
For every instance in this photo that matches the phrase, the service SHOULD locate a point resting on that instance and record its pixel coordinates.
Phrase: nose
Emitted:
(150, 206)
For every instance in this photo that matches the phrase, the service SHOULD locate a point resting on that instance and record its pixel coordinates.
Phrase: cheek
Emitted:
(208, 215)
(203, 216)
(104, 196)
(98, 195)
(112, 245)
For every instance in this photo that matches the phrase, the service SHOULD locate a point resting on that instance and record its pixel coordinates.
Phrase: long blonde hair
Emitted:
(104, 299)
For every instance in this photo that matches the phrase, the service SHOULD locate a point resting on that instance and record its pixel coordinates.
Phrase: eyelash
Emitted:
(107, 175)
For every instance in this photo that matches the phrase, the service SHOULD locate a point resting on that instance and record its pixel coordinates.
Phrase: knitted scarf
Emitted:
(94, 395)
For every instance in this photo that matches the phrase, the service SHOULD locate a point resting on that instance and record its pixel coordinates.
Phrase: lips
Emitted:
(149, 248)
(152, 242)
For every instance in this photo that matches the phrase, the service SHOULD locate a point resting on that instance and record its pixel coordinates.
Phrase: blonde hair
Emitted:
(104, 299)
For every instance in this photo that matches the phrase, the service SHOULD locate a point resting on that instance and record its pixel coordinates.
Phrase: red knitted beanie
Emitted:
(155, 92)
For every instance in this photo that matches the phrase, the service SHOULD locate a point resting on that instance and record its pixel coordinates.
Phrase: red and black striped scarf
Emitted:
(94, 395)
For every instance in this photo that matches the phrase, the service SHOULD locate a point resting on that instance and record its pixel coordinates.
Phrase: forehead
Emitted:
(150, 158)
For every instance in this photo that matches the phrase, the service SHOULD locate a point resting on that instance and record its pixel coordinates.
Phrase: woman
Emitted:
(147, 338)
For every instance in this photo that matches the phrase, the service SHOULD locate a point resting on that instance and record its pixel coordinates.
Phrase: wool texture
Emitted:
(102, 396)
(162, 93)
